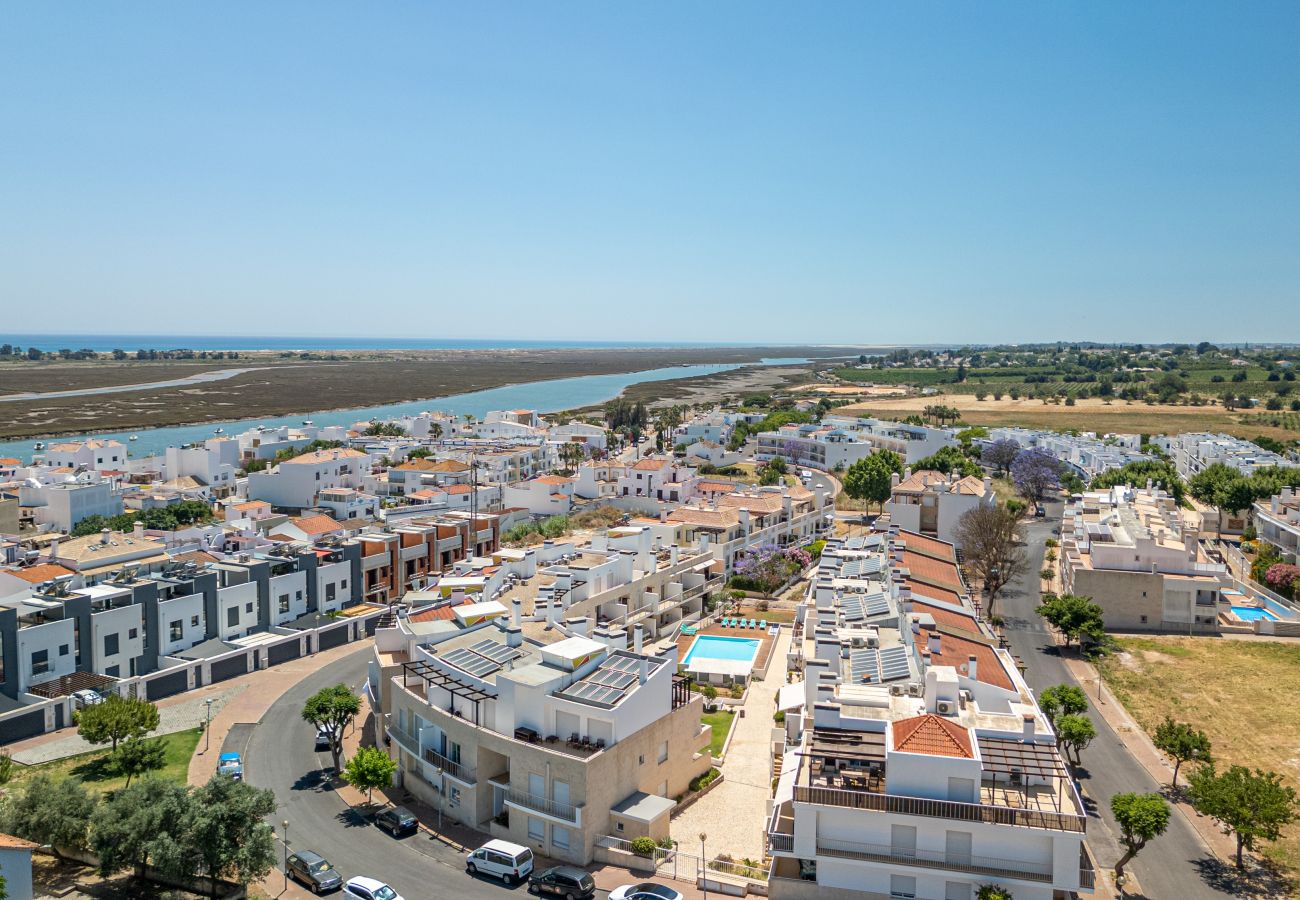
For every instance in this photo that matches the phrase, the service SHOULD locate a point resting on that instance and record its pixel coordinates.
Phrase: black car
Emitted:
(563, 881)
(314, 872)
(398, 821)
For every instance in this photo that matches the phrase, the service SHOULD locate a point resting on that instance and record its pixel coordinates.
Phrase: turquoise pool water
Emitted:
(1252, 614)
(710, 646)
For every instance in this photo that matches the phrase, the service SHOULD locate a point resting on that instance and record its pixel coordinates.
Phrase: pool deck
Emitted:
(765, 642)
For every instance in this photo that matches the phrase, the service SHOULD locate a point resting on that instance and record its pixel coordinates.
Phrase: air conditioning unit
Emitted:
(916, 690)
(945, 707)
(896, 690)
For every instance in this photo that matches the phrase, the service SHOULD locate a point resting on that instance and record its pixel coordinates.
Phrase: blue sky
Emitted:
(855, 172)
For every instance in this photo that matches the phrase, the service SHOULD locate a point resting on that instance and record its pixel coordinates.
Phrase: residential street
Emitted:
(1176, 865)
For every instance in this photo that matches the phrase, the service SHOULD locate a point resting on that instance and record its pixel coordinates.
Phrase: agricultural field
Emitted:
(1240, 693)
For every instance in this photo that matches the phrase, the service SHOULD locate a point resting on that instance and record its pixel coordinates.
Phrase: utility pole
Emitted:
(207, 725)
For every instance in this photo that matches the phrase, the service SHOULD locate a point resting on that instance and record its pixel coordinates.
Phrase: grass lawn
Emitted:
(1240, 693)
(721, 722)
(96, 771)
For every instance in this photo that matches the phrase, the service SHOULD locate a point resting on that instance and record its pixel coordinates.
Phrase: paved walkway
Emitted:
(734, 814)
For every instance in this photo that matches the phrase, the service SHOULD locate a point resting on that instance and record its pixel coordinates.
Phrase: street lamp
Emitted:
(704, 882)
(207, 725)
(285, 826)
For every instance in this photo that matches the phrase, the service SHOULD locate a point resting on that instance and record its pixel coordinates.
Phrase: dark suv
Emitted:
(397, 821)
(314, 872)
(563, 881)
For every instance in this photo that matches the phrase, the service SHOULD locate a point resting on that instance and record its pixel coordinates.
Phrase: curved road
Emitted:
(1174, 865)
(280, 756)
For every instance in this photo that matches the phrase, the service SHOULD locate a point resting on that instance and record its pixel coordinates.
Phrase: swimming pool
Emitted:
(712, 646)
(1252, 614)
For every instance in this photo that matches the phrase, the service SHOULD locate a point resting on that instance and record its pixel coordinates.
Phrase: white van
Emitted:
(502, 859)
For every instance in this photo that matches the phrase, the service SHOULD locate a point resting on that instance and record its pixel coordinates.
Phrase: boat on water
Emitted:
(134, 437)
(38, 446)
(220, 431)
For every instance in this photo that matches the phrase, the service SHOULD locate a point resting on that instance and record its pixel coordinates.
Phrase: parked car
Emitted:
(646, 890)
(398, 821)
(87, 697)
(231, 765)
(563, 881)
(363, 888)
(314, 872)
(501, 859)
(324, 737)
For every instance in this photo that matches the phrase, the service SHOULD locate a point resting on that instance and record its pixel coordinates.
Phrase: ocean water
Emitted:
(543, 396)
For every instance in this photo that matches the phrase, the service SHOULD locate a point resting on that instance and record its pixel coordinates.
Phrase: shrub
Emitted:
(709, 692)
(700, 782)
(737, 692)
(1045, 574)
(779, 717)
(644, 846)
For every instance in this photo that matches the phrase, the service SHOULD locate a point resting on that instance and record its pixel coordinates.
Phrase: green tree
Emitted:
(333, 709)
(1062, 699)
(1223, 487)
(1075, 733)
(50, 812)
(1182, 743)
(142, 824)
(1254, 806)
(137, 755)
(869, 480)
(369, 768)
(1141, 817)
(1162, 474)
(992, 892)
(948, 460)
(1074, 616)
(6, 768)
(225, 832)
(116, 719)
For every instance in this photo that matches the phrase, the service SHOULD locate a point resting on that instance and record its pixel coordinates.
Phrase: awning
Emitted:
(791, 696)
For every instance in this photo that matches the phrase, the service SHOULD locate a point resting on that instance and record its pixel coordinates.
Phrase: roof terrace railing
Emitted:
(940, 809)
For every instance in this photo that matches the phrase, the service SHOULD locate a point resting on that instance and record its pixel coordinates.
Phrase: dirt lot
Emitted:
(296, 386)
(1241, 693)
(1092, 414)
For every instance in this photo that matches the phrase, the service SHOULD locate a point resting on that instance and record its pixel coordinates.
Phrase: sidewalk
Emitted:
(734, 813)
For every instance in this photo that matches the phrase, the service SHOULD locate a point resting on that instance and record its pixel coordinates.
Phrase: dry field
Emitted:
(1241, 693)
(1092, 414)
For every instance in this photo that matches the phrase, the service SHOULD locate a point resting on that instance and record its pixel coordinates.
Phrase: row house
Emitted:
(296, 484)
(93, 455)
(1277, 522)
(732, 525)
(1193, 452)
(413, 554)
(545, 495)
(932, 503)
(839, 442)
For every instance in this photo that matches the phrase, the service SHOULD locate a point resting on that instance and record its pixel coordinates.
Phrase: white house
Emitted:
(296, 483)
(94, 454)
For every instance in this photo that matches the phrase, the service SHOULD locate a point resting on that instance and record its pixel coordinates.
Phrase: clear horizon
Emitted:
(917, 174)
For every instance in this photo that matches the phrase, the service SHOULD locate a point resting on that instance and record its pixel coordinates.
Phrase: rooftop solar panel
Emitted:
(893, 664)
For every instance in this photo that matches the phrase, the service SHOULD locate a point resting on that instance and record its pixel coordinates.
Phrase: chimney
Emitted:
(672, 554)
(580, 626)
(103, 535)
(971, 664)
(1027, 732)
(893, 479)
(516, 612)
(663, 515)
(137, 529)
(514, 636)
(636, 640)
(935, 647)
(54, 550)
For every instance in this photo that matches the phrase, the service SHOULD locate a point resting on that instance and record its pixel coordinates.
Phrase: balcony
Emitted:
(940, 809)
(1087, 873)
(780, 843)
(409, 740)
(990, 866)
(552, 808)
(415, 551)
(374, 561)
(459, 771)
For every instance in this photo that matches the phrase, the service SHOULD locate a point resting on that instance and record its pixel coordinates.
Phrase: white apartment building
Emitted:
(917, 762)
(95, 455)
(931, 503)
(1135, 554)
(838, 441)
(545, 495)
(1086, 453)
(591, 436)
(1195, 451)
(213, 464)
(296, 483)
(60, 505)
(730, 525)
(1277, 522)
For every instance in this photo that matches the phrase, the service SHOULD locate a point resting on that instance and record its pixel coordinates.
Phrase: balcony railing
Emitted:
(937, 859)
(940, 809)
(780, 843)
(459, 771)
(409, 740)
(1087, 874)
(552, 808)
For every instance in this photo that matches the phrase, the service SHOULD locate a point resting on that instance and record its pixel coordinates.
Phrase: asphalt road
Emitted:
(281, 756)
(1175, 865)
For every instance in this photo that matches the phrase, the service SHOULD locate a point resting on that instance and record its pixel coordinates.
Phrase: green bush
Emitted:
(644, 846)
(700, 782)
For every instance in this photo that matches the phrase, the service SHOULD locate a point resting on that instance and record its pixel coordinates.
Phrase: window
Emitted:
(111, 644)
(132, 634)
(902, 886)
(1144, 620)
(248, 607)
(343, 585)
(560, 837)
(284, 603)
(175, 630)
(40, 662)
(298, 596)
(113, 671)
(536, 829)
(194, 621)
(663, 753)
(63, 649)
(232, 617)
(329, 593)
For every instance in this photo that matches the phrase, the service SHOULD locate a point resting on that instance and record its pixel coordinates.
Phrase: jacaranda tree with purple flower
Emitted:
(1035, 473)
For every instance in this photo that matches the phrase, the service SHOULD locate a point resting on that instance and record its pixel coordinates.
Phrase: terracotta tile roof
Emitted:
(425, 493)
(314, 526)
(438, 613)
(705, 518)
(928, 545)
(927, 568)
(196, 556)
(10, 842)
(956, 650)
(947, 617)
(252, 504)
(10, 461)
(651, 464)
(559, 497)
(716, 487)
(922, 588)
(762, 504)
(38, 573)
(554, 479)
(919, 481)
(449, 465)
(316, 457)
(932, 735)
(459, 489)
